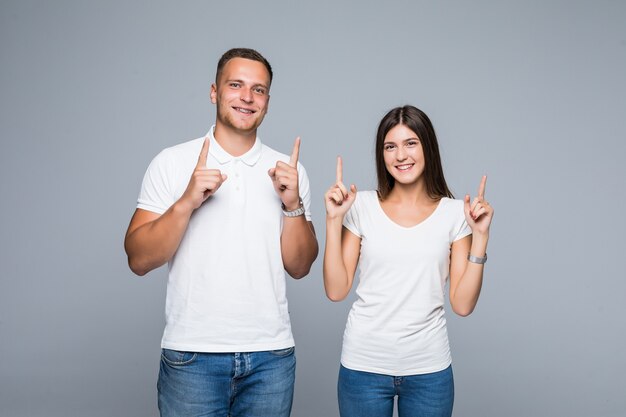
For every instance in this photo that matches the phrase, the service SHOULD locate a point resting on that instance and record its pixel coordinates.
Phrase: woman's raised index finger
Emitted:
(339, 169)
(481, 188)
(293, 161)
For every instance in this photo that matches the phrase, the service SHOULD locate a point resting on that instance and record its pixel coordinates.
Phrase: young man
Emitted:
(229, 215)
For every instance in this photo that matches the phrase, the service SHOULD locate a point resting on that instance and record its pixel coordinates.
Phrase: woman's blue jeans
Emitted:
(365, 394)
(250, 384)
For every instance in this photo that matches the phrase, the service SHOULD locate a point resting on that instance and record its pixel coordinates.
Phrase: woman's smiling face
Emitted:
(403, 154)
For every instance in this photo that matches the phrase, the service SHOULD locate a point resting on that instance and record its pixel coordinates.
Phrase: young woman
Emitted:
(407, 237)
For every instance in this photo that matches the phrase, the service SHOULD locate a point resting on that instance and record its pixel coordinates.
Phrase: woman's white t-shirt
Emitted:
(397, 324)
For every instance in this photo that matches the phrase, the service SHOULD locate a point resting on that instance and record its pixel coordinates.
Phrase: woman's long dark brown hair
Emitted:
(418, 122)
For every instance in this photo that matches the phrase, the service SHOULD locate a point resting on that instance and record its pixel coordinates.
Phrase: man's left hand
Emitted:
(285, 179)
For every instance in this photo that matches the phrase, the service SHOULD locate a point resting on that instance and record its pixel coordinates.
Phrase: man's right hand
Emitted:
(152, 239)
(204, 182)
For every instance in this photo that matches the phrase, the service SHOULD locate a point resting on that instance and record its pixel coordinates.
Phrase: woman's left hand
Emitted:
(480, 212)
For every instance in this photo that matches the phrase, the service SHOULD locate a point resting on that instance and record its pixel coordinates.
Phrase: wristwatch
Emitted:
(477, 259)
(294, 213)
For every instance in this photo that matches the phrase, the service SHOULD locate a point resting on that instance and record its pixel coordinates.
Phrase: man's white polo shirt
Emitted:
(226, 286)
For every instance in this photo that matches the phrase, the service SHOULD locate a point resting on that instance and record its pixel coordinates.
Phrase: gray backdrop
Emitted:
(532, 93)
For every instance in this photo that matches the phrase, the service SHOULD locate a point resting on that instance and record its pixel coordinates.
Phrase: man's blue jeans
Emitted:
(365, 394)
(251, 384)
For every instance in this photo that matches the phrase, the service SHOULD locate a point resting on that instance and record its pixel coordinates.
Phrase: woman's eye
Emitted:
(412, 143)
(389, 147)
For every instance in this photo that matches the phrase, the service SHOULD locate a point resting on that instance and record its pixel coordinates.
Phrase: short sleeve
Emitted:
(155, 194)
(462, 228)
(305, 191)
(351, 219)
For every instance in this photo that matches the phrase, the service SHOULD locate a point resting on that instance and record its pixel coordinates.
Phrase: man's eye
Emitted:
(259, 90)
(235, 85)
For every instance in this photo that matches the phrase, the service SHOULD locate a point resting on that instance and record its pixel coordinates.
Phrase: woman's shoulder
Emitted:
(366, 197)
(451, 206)
(365, 201)
(367, 194)
(451, 203)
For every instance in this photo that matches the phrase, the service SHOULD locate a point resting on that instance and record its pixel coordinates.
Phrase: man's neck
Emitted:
(236, 143)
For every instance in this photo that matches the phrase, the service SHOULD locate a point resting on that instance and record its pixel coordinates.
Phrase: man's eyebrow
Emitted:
(243, 82)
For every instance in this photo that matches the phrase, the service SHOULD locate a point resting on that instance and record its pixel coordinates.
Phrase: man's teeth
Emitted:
(246, 111)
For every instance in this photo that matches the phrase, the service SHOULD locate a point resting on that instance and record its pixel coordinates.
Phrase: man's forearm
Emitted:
(154, 243)
(298, 246)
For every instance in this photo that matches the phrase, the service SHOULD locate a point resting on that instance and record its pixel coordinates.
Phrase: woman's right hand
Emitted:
(338, 198)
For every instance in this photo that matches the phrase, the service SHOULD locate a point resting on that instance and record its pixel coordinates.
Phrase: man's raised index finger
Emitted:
(481, 188)
(293, 161)
(203, 154)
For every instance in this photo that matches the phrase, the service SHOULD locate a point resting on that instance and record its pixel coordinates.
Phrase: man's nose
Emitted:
(246, 95)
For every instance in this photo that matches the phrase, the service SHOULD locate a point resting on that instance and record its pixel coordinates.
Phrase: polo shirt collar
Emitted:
(249, 158)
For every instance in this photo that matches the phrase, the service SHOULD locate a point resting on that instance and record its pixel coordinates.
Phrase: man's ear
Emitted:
(213, 93)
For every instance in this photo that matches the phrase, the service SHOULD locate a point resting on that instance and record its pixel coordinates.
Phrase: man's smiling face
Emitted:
(241, 94)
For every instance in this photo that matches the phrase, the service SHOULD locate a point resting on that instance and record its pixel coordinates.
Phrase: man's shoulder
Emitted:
(180, 153)
(191, 147)
(170, 160)
(272, 154)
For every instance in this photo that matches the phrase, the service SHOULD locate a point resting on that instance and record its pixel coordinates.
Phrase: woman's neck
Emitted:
(410, 194)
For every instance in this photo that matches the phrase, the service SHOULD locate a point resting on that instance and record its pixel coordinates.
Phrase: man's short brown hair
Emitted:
(245, 53)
